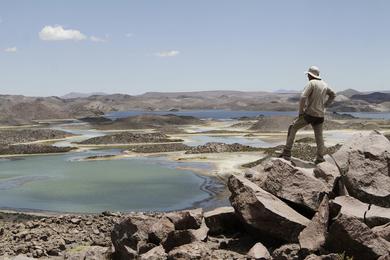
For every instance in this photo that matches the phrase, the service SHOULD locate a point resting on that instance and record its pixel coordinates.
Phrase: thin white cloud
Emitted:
(166, 54)
(58, 33)
(128, 35)
(97, 39)
(11, 49)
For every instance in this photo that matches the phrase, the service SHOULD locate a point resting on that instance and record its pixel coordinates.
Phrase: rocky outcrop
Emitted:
(129, 138)
(294, 184)
(348, 234)
(215, 147)
(365, 161)
(159, 148)
(263, 211)
(222, 221)
(32, 149)
(13, 136)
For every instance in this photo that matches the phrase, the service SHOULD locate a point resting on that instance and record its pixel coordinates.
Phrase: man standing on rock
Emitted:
(315, 97)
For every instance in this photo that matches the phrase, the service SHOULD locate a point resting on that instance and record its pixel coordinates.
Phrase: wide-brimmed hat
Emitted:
(314, 72)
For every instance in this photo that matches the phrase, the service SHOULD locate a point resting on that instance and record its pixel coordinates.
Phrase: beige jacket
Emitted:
(318, 96)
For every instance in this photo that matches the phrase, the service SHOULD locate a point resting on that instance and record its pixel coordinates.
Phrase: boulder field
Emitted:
(338, 209)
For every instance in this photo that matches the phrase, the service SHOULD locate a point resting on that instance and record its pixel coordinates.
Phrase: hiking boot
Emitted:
(319, 160)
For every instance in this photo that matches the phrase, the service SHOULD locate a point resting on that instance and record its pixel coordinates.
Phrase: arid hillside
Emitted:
(17, 109)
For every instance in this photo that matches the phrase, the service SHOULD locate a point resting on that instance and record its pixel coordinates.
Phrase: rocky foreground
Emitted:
(337, 210)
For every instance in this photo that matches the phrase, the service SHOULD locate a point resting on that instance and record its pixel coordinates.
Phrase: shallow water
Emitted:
(63, 183)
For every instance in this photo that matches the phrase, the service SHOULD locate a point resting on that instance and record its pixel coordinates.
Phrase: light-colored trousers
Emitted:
(299, 123)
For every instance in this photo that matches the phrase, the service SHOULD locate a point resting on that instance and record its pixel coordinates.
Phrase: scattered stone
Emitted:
(260, 252)
(156, 253)
(263, 211)
(286, 252)
(75, 221)
(87, 252)
(324, 257)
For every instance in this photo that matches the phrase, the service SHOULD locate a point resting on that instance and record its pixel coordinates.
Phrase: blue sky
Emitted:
(55, 47)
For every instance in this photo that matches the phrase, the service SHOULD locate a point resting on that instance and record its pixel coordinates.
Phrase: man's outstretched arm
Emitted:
(331, 97)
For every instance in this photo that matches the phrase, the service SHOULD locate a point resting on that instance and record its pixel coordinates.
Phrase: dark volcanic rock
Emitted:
(159, 148)
(189, 219)
(263, 211)
(32, 149)
(127, 235)
(215, 147)
(286, 252)
(12, 136)
(350, 235)
(222, 221)
(129, 137)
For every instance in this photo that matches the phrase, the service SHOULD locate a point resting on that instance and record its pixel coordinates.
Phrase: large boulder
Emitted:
(181, 237)
(127, 235)
(365, 163)
(350, 235)
(160, 230)
(371, 215)
(263, 211)
(313, 237)
(188, 219)
(222, 220)
(294, 184)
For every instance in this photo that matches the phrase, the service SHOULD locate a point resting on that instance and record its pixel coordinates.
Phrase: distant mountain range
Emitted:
(18, 109)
